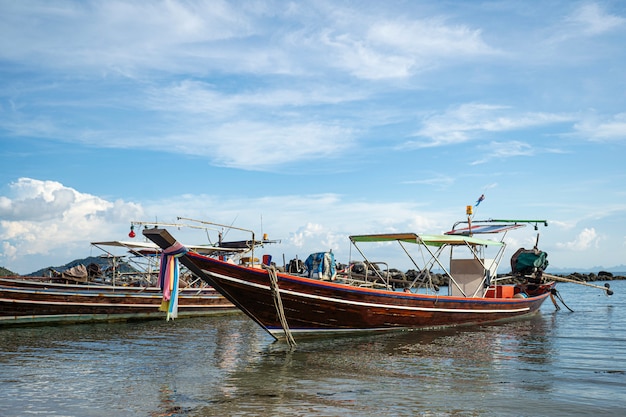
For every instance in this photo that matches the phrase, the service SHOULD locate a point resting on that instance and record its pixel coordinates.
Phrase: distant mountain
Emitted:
(103, 263)
(619, 268)
(5, 272)
(86, 261)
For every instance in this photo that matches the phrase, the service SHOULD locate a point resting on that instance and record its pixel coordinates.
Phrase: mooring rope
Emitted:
(278, 303)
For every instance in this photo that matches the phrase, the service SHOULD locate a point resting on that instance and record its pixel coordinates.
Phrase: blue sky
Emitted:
(311, 121)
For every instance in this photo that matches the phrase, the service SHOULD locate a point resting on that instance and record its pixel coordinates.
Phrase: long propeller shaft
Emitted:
(606, 287)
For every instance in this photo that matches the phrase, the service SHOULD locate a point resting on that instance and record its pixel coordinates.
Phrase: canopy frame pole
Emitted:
(367, 263)
(438, 262)
(428, 265)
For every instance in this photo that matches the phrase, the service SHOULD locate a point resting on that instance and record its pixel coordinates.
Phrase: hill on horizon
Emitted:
(103, 263)
(6, 272)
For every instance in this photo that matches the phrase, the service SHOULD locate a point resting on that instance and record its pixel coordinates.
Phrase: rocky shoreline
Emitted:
(601, 276)
(442, 280)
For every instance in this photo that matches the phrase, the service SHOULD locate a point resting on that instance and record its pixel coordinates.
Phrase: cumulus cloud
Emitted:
(329, 239)
(585, 239)
(41, 216)
(302, 230)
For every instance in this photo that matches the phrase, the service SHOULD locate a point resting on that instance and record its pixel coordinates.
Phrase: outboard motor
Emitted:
(529, 262)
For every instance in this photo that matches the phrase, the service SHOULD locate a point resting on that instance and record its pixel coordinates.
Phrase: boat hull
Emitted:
(31, 302)
(316, 307)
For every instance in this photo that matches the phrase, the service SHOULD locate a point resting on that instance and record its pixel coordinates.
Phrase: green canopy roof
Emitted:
(430, 240)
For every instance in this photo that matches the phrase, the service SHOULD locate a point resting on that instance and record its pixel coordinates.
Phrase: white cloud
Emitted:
(591, 19)
(275, 130)
(585, 21)
(585, 239)
(298, 237)
(259, 146)
(366, 62)
(130, 38)
(199, 98)
(43, 216)
(501, 150)
(303, 230)
(428, 37)
(440, 181)
(399, 49)
(32, 240)
(118, 35)
(471, 120)
(603, 130)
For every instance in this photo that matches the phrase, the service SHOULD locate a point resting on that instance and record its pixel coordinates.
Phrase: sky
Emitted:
(311, 121)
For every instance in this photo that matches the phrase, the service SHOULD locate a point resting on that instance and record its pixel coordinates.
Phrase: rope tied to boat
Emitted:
(278, 303)
(168, 279)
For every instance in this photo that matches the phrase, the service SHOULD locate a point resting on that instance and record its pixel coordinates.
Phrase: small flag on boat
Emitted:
(480, 199)
(168, 279)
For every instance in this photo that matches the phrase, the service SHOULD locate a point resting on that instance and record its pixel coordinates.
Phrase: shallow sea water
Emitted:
(557, 363)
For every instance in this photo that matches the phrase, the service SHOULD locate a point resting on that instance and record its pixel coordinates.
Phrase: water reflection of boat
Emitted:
(324, 302)
(402, 371)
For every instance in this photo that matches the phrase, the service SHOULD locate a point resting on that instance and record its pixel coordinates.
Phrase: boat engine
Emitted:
(529, 262)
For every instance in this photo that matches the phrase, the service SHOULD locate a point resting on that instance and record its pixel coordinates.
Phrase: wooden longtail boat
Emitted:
(130, 295)
(27, 302)
(288, 304)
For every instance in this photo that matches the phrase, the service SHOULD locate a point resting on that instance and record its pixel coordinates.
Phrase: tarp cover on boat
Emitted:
(76, 273)
(526, 261)
(321, 265)
(430, 240)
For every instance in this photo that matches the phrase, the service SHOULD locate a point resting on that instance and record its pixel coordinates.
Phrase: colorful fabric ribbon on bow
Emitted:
(168, 279)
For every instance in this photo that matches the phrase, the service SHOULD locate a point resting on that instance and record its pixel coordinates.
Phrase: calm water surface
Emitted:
(553, 364)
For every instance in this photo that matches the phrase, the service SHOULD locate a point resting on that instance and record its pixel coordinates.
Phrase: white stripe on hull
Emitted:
(366, 304)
